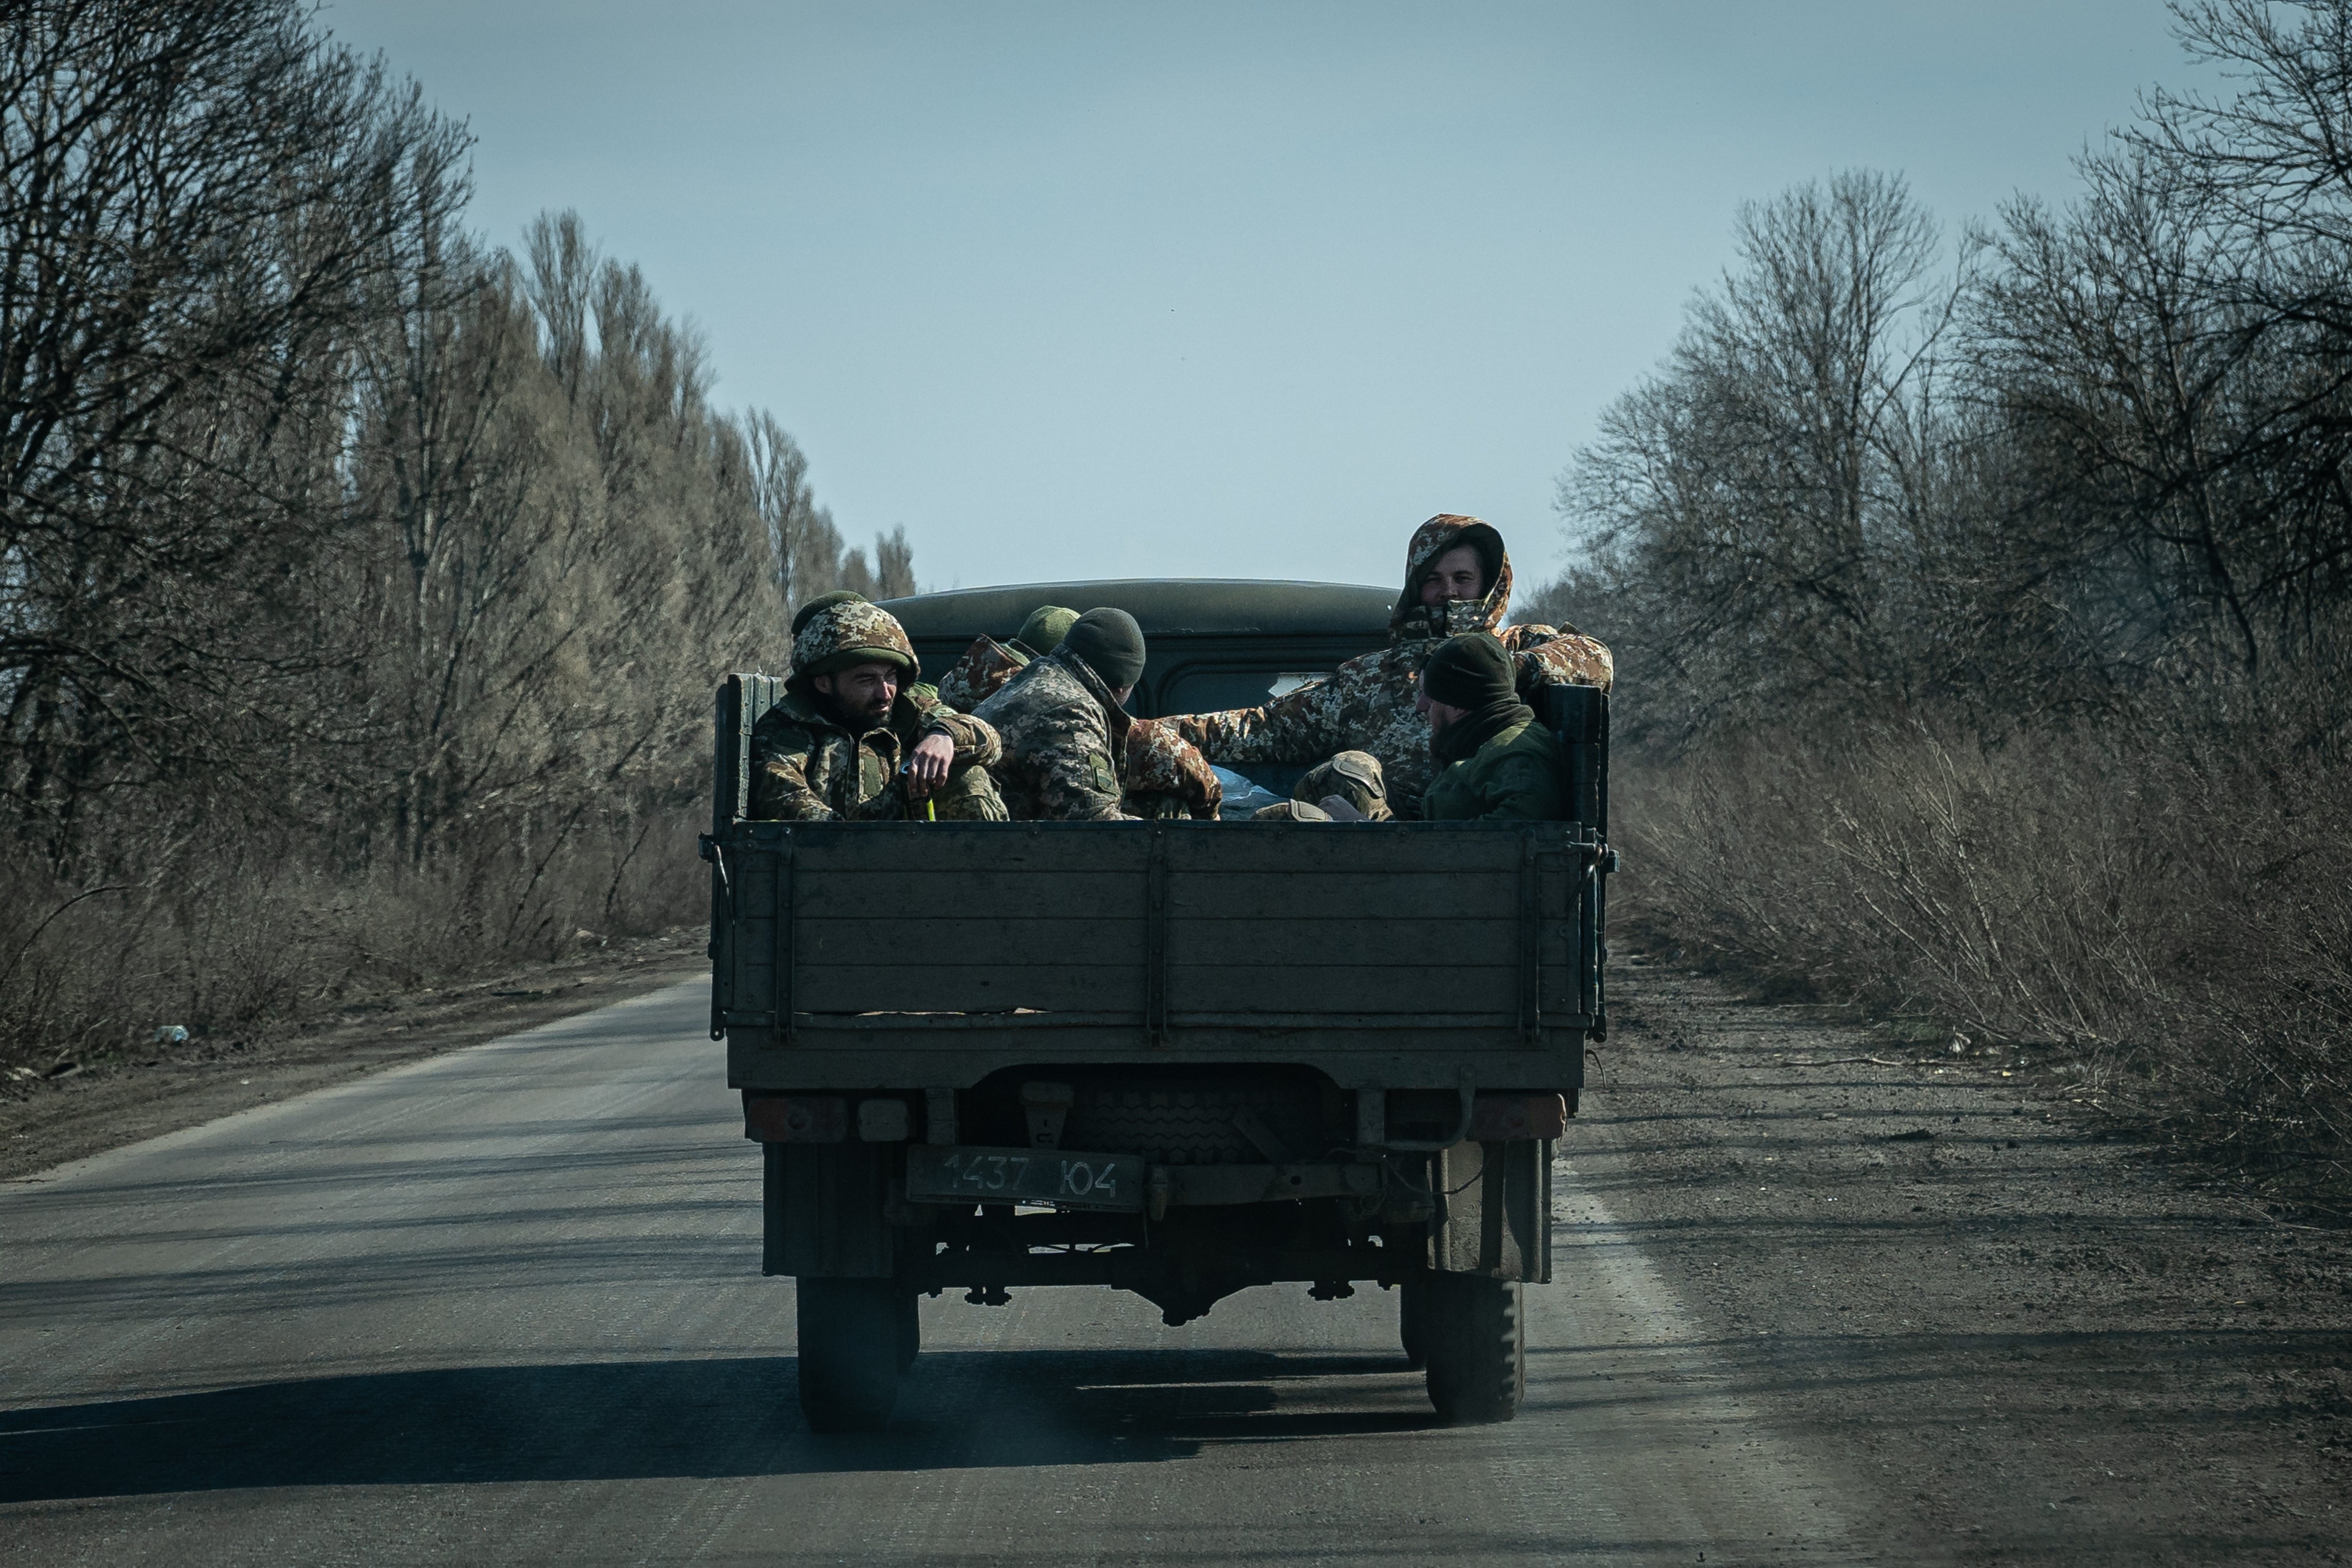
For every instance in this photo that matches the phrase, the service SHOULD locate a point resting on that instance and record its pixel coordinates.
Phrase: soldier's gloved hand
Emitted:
(1339, 810)
(927, 768)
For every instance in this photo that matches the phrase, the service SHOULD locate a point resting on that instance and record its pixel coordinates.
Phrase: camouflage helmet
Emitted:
(849, 632)
(1355, 777)
(823, 603)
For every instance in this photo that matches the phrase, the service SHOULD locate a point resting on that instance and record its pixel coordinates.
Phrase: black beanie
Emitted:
(1469, 671)
(1111, 644)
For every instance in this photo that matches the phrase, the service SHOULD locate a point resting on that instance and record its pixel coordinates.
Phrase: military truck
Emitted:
(1177, 1058)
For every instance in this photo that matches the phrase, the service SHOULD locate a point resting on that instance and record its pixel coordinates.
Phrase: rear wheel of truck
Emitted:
(850, 1338)
(911, 1328)
(1412, 1323)
(1477, 1353)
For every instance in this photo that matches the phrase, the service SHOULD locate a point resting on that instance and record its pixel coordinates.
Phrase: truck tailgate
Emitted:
(933, 954)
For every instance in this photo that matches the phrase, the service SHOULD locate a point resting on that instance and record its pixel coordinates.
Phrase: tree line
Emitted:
(1983, 602)
(362, 583)
(2075, 455)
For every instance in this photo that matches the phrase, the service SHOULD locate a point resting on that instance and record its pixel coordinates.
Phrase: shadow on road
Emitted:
(625, 1420)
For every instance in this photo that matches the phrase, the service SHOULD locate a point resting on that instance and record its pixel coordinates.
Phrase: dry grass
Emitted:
(2177, 911)
(230, 941)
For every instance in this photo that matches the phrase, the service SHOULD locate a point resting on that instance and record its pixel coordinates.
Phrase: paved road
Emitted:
(504, 1306)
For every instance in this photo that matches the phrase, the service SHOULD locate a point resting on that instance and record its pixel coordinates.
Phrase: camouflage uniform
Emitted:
(806, 766)
(980, 673)
(1166, 775)
(1367, 704)
(1065, 740)
(988, 664)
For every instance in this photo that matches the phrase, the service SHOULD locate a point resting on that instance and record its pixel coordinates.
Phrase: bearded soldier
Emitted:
(1063, 728)
(1499, 764)
(1458, 579)
(856, 739)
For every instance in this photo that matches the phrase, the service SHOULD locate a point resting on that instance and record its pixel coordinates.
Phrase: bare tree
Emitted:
(194, 199)
(1753, 489)
(801, 537)
(2175, 349)
(361, 586)
(894, 566)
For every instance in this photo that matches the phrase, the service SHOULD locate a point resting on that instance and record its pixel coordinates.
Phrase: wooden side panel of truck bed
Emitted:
(920, 955)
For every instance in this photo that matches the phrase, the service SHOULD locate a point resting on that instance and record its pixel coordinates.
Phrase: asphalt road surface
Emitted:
(504, 1305)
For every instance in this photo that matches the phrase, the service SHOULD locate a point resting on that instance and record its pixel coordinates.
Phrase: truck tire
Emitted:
(850, 1336)
(1477, 1353)
(1412, 1323)
(911, 1328)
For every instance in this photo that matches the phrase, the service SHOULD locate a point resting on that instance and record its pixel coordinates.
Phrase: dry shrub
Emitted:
(2175, 904)
(231, 941)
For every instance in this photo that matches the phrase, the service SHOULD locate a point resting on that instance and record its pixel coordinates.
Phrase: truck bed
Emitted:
(933, 954)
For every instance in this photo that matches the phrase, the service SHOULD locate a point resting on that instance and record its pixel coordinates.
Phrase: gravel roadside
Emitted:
(46, 1122)
(2027, 1338)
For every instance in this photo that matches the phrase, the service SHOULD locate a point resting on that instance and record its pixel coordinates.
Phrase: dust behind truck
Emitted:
(1176, 1058)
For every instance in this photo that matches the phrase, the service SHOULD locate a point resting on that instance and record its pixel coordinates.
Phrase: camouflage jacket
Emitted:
(1367, 704)
(1166, 775)
(807, 768)
(1065, 742)
(980, 673)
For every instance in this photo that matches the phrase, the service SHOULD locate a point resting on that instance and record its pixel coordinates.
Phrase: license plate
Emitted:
(1054, 1176)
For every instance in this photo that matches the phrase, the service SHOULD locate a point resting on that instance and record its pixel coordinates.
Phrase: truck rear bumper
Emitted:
(841, 1210)
(1211, 1186)
(1154, 1276)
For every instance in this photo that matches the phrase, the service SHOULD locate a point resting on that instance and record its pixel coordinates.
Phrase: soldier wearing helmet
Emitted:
(856, 739)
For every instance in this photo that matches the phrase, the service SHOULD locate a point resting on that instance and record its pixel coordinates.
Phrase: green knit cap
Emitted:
(1047, 624)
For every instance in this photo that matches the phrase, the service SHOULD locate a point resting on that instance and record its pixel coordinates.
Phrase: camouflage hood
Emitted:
(1368, 704)
(852, 632)
(1432, 540)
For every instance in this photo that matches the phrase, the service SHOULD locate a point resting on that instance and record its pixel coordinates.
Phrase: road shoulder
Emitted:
(47, 1123)
(1960, 1288)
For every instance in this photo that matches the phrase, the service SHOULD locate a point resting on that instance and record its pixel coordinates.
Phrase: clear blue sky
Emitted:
(1220, 290)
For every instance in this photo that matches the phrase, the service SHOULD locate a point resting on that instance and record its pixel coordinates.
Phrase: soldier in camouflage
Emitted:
(855, 740)
(988, 664)
(1458, 579)
(1064, 729)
